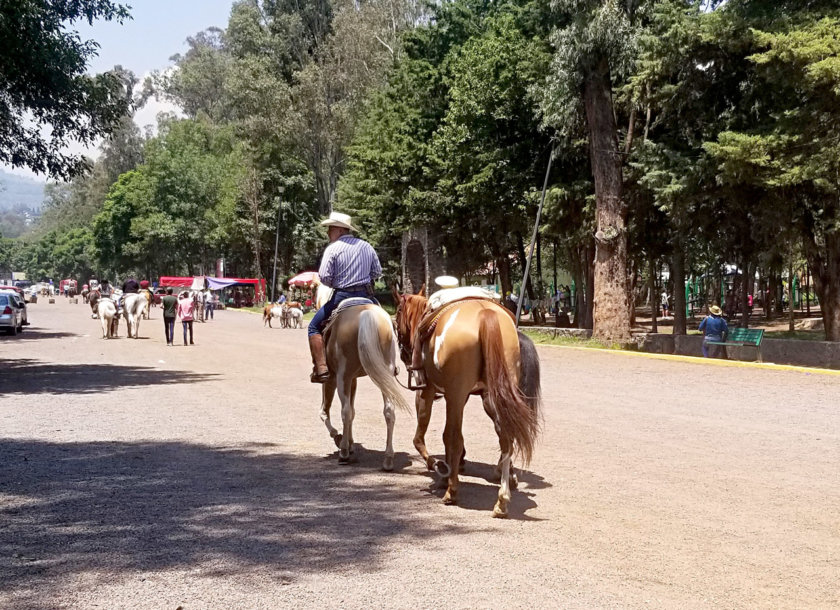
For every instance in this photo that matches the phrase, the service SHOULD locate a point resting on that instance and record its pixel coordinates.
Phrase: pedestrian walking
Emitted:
(170, 308)
(208, 304)
(186, 307)
(714, 328)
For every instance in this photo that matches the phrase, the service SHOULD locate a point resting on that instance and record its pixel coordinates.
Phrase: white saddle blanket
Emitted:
(448, 295)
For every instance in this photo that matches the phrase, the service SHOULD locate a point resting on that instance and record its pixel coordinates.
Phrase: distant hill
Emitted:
(18, 191)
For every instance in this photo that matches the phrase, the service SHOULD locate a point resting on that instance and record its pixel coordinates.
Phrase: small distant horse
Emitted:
(147, 292)
(94, 297)
(109, 318)
(273, 311)
(359, 341)
(292, 317)
(471, 346)
(133, 306)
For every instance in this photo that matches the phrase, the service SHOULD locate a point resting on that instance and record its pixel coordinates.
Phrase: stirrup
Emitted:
(412, 375)
(315, 377)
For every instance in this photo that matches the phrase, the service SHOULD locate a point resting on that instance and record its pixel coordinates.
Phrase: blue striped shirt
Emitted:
(349, 262)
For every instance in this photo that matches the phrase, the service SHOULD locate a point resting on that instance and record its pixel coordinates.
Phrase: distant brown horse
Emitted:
(469, 347)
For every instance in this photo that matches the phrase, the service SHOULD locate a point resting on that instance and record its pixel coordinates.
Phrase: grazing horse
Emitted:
(107, 311)
(359, 340)
(471, 346)
(133, 306)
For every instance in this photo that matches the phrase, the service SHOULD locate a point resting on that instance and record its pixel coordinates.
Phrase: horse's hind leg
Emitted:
(388, 411)
(505, 466)
(345, 395)
(328, 392)
(453, 438)
(514, 481)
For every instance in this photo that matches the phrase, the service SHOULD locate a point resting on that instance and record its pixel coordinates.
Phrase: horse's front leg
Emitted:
(327, 394)
(423, 400)
(453, 439)
(345, 395)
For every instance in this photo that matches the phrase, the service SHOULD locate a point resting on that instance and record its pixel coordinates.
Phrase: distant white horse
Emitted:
(293, 317)
(133, 306)
(107, 311)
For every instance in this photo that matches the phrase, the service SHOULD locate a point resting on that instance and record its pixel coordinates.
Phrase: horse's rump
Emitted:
(516, 416)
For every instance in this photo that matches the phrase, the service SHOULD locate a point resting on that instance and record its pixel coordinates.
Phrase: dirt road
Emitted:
(135, 475)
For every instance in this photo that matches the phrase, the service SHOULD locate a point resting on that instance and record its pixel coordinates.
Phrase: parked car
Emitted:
(12, 311)
(21, 303)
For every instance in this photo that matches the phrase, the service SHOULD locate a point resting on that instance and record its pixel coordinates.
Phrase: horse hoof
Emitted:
(388, 464)
(337, 440)
(441, 469)
(343, 460)
(499, 512)
(449, 499)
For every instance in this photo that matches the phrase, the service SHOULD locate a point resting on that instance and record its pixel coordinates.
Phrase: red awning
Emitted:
(178, 282)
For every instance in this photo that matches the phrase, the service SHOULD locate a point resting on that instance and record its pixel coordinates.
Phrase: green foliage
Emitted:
(45, 87)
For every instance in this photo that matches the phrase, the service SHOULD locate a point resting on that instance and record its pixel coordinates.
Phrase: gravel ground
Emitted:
(140, 476)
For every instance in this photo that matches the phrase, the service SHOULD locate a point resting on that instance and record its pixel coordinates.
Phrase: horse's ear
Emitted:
(395, 292)
(422, 289)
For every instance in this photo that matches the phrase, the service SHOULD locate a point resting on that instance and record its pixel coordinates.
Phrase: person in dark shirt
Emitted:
(170, 310)
(714, 328)
(130, 286)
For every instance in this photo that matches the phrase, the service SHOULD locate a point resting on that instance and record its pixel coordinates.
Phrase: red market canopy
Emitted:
(177, 282)
(307, 278)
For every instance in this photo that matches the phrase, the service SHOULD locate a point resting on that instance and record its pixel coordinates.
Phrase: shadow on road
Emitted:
(27, 376)
(35, 334)
(117, 508)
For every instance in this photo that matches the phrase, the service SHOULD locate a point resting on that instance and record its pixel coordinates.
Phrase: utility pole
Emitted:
(276, 242)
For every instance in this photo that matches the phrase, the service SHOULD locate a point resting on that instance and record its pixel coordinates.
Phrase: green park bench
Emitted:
(743, 337)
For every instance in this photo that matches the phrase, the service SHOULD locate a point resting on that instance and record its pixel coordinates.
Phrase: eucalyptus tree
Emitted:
(595, 47)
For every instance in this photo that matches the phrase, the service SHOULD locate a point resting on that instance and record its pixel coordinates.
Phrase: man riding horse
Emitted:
(349, 266)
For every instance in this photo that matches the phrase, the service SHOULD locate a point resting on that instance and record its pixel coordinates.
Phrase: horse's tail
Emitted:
(514, 413)
(380, 366)
(529, 374)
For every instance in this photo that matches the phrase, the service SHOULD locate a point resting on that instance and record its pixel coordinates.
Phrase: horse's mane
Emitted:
(411, 309)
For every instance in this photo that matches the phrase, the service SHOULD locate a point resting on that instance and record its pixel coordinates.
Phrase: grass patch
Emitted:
(544, 339)
(798, 335)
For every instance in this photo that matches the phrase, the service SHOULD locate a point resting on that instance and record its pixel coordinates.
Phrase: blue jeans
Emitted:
(316, 325)
(169, 329)
(208, 311)
(715, 348)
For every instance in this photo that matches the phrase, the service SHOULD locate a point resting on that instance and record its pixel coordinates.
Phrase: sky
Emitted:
(158, 30)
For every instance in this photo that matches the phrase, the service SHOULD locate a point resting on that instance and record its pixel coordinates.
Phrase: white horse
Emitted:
(293, 317)
(133, 306)
(107, 311)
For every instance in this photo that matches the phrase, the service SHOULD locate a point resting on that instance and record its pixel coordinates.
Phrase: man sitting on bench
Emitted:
(714, 328)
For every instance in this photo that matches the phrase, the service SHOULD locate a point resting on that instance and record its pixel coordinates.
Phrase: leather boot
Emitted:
(320, 372)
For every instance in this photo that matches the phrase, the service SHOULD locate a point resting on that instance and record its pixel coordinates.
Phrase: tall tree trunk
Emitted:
(746, 289)
(678, 280)
(611, 316)
(523, 257)
(503, 268)
(631, 280)
(589, 279)
(654, 302)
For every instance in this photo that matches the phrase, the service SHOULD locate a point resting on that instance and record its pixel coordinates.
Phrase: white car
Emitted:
(12, 312)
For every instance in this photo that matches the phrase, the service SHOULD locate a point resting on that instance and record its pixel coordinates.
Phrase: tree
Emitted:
(595, 48)
(44, 85)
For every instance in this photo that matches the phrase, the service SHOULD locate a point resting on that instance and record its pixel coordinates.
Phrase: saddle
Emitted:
(346, 304)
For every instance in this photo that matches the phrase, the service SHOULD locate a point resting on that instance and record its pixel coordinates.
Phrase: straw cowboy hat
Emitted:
(337, 219)
(714, 310)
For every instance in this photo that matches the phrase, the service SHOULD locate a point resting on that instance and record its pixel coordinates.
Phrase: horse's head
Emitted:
(410, 309)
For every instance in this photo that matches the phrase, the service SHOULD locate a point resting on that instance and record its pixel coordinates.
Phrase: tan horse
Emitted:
(472, 347)
(360, 341)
